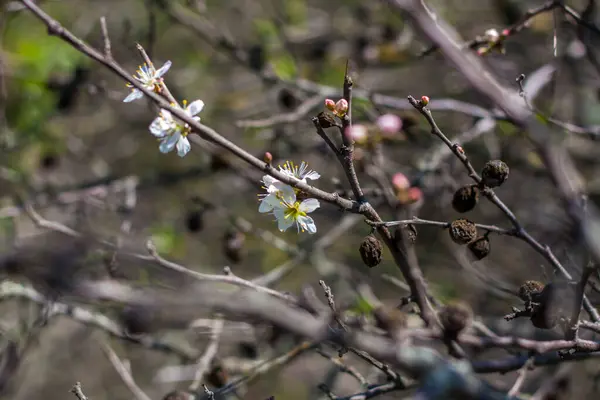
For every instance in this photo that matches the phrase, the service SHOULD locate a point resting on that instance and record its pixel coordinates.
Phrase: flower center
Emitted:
(294, 212)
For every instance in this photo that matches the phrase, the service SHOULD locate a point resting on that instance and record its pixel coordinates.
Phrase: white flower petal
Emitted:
(283, 223)
(309, 205)
(166, 114)
(163, 70)
(194, 107)
(287, 193)
(269, 182)
(307, 224)
(169, 142)
(312, 175)
(158, 128)
(134, 95)
(183, 146)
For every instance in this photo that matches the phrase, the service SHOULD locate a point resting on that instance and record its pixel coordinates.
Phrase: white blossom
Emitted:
(149, 77)
(289, 211)
(173, 133)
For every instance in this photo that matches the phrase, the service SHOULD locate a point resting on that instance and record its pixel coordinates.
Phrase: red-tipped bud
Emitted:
(357, 133)
(424, 100)
(341, 107)
(330, 104)
(506, 32)
(389, 124)
(414, 194)
(400, 181)
(268, 158)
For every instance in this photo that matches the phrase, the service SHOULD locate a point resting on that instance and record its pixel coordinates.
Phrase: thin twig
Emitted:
(232, 279)
(78, 391)
(124, 373)
(107, 48)
(521, 375)
(209, 354)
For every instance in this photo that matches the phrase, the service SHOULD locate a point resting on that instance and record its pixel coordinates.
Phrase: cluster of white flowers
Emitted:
(283, 201)
(171, 132)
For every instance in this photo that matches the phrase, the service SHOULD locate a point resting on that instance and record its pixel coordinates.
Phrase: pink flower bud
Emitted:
(341, 107)
(506, 32)
(414, 194)
(357, 133)
(400, 181)
(424, 100)
(330, 104)
(268, 158)
(389, 124)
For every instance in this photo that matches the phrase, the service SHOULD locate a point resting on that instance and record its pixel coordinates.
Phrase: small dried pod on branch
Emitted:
(455, 317)
(370, 251)
(466, 198)
(480, 247)
(494, 173)
(390, 319)
(462, 231)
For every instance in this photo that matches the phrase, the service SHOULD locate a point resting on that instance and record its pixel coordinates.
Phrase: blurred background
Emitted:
(79, 156)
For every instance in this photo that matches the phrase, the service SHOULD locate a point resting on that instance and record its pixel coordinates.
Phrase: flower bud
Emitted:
(465, 198)
(341, 107)
(400, 182)
(463, 231)
(455, 317)
(424, 100)
(506, 32)
(491, 35)
(480, 248)
(414, 194)
(357, 133)
(370, 251)
(389, 124)
(330, 104)
(268, 158)
(494, 173)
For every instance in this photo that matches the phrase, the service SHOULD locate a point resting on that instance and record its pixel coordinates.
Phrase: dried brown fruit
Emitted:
(233, 245)
(465, 199)
(494, 173)
(455, 317)
(530, 290)
(463, 231)
(480, 247)
(370, 251)
(390, 319)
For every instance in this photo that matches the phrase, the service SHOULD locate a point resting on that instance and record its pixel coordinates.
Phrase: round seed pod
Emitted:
(465, 198)
(530, 290)
(480, 248)
(463, 231)
(494, 173)
(370, 251)
(233, 245)
(389, 318)
(455, 317)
